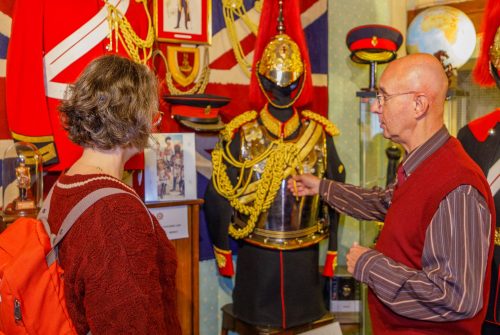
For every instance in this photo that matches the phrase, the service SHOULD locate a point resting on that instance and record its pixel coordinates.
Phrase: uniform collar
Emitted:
(482, 126)
(278, 128)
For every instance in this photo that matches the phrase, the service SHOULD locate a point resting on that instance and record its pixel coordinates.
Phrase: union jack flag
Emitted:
(228, 79)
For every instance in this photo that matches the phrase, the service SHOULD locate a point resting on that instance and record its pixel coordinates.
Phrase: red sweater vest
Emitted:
(402, 239)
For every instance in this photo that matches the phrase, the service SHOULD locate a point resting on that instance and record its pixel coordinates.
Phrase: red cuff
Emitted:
(224, 260)
(330, 264)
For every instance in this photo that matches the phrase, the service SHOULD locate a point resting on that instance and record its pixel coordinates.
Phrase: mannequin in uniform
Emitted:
(278, 283)
(481, 140)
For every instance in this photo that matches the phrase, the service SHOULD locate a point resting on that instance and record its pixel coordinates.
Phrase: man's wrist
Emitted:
(364, 265)
(325, 187)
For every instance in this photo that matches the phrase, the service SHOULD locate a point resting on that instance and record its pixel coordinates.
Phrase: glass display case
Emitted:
(373, 166)
(22, 181)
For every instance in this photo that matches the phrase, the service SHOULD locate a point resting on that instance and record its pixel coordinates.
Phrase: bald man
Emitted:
(429, 272)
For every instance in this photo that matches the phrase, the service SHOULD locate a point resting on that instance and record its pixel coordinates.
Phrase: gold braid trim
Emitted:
(274, 126)
(221, 181)
(497, 237)
(200, 85)
(219, 256)
(284, 155)
(305, 145)
(127, 36)
(329, 127)
(232, 9)
(282, 158)
(229, 130)
(222, 153)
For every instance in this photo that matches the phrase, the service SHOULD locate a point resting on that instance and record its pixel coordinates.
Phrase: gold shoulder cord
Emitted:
(200, 85)
(330, 128)
(231, 10)
(282, 158)
(127, 36)
(305, 145)
(232, 127)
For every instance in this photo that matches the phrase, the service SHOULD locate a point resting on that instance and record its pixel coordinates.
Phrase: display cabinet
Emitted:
(187, 248)
(22, 182)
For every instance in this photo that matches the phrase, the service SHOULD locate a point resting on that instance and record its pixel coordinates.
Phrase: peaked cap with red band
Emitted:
(267, 31)
(373, 43)
(490, 27)
(200, 112)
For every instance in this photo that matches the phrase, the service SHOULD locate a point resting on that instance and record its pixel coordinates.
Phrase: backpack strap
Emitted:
(72, 216)
(43, 215)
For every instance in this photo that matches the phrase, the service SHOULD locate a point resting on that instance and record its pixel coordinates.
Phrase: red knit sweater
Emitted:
(119, 266)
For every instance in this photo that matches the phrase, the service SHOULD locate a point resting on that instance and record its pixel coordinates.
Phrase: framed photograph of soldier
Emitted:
(170, 168)
(183, 21)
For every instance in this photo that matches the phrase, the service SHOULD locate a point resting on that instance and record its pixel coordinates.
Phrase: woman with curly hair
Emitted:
(119, 266)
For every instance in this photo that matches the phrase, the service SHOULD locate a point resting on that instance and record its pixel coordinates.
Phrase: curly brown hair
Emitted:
(111, 104)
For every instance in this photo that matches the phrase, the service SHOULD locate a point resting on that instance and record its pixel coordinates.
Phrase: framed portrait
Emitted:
(183, 21)
(170, 168)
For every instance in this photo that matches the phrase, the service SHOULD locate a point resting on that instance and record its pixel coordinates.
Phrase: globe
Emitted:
(443, 31)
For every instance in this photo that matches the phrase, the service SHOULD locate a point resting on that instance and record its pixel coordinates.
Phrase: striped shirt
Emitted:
(450, 284)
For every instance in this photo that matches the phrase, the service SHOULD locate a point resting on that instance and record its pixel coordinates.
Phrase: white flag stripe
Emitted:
(3, 66)
(5, 24)
(221, 39)
(313, 13)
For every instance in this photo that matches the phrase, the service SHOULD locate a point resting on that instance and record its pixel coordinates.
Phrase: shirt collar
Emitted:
(421, 153)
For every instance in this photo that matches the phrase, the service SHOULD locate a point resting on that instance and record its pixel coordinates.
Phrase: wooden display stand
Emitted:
(231, 323)
(187, 267)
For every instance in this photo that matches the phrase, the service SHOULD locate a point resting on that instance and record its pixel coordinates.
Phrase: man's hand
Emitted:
(304, 184)
(353, 255)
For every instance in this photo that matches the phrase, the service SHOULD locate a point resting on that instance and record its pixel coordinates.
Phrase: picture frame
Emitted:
(173, 25)
(170, 168)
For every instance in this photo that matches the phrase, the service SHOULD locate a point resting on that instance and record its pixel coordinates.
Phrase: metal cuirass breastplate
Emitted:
(290, 222)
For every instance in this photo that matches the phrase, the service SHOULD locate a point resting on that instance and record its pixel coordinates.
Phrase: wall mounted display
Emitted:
(170, 167)
(183, 21)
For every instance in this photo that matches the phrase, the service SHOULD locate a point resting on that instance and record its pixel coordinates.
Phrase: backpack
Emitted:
(31, 280)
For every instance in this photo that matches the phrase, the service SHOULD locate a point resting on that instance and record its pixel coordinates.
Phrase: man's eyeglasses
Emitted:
(382, 98)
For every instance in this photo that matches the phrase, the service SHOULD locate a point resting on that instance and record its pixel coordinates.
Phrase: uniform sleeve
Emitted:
(218, 215)
(122, 276)
(335, 170)
(27, 110)
(450, 285)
